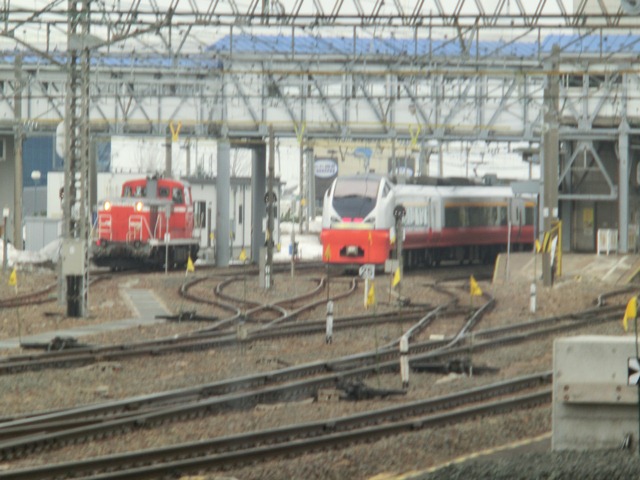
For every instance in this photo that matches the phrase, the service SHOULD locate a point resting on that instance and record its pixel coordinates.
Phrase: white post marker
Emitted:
(404, 361)
(267, 277)
(366, 291)
(532, 298)
(329, 331)
(293, 251)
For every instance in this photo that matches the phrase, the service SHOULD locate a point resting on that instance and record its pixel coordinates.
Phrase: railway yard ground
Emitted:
(264, 333)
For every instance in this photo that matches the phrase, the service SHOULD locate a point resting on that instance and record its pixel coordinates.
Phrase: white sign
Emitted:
(367, 271)
(633, 371)
(325, 168)
(391, 265)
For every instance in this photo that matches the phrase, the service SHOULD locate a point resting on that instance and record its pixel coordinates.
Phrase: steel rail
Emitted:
(362, 426)
(352, 367)
(200, 340)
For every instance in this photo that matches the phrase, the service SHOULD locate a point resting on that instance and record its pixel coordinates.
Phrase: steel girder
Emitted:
(186, 27)
(478, 94)
(332, 99)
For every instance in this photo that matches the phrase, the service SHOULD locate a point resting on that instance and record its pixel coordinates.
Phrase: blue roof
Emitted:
(124, 60)
(348, 46)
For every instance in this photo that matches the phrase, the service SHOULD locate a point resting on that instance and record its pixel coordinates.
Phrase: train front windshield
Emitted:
(355, 197)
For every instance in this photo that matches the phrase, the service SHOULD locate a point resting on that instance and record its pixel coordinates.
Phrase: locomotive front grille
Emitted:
(352, 251)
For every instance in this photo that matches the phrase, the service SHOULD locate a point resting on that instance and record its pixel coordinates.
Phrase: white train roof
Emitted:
(462, 191)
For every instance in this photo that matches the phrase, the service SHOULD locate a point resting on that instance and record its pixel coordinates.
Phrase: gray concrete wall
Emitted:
(593, 407)
(40, 231)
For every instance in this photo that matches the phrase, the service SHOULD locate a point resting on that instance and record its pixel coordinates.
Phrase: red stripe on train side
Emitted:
(454, 237)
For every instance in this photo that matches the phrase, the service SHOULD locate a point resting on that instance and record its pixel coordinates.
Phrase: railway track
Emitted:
(288, 384)
(246, 448)
(223, 333)
(461, 344)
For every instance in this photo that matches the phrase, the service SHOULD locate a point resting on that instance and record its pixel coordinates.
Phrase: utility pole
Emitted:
(77, 211)
(270, 201)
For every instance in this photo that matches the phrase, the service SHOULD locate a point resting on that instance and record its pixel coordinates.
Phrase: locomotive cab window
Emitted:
(163, 192)
(178, 196)
(137, 191)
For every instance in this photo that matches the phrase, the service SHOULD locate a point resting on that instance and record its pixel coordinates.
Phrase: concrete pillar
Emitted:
(311, 186)
(623, 187)
(223, 248)
(594, 407)
(550, 153)
(168, 156)
(258, 184)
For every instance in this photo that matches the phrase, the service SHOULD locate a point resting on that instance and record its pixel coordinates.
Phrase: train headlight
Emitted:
(139, 206)
(107, 206)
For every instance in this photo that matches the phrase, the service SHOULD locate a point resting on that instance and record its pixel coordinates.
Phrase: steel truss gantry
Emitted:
(466, 71)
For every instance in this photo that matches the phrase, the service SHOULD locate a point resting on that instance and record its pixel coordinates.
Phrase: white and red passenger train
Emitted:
(464, 223)
(150, 221)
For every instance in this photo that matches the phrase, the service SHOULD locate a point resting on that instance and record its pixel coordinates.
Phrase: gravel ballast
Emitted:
(415, 452)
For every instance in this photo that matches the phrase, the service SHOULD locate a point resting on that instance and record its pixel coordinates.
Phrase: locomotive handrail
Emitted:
(137, 223)
(104, 226)
(159, 229)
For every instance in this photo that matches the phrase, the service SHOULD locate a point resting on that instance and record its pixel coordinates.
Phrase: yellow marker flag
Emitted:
(371, 296)
(243, 255)
(474, 289)
(190, 267)
(396, 277)
(327, 253)
(13, 278)
(630, 313)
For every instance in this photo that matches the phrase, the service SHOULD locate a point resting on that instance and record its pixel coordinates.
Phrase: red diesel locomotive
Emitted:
(151, 221)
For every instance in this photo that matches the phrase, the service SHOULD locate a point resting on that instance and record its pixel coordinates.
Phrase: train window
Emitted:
(476, 216)
(178, 196)
(493, 218)
(453, 217)
(503, 215)
(163, 192)
(355, 197)
(126, 191)
(528, 216)
(409, 218)
(141, 191)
